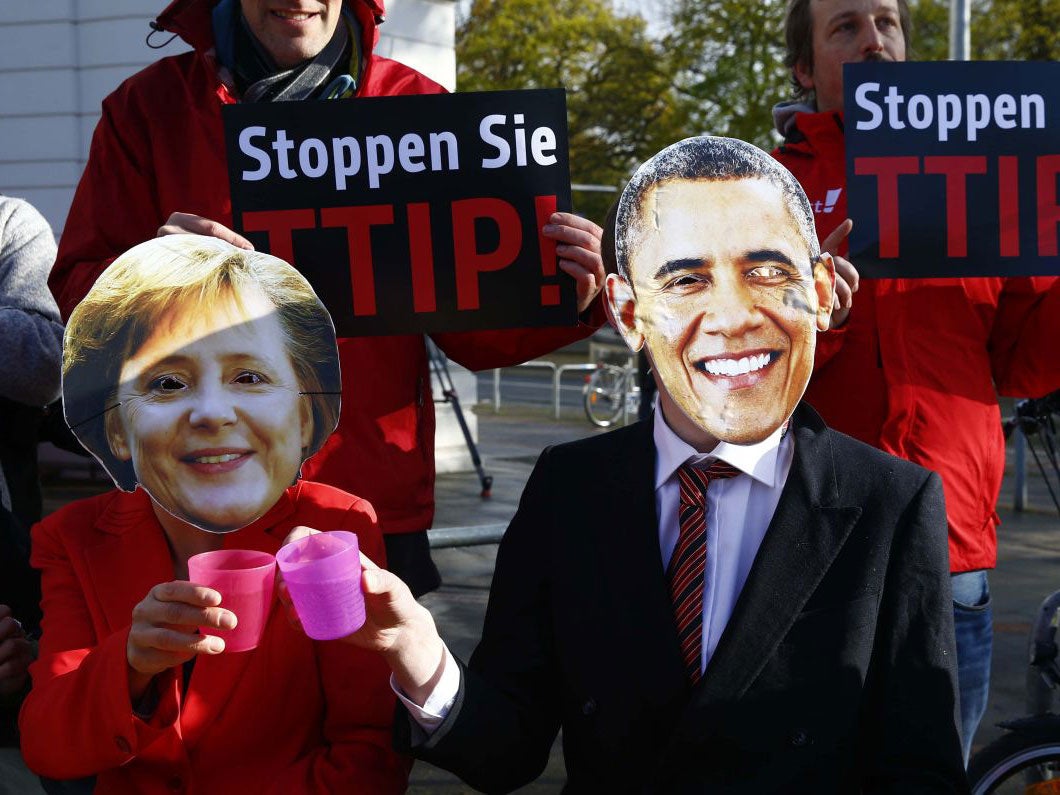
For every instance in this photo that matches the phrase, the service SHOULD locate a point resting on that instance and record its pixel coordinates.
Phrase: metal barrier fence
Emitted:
(557, 377)
(448, 537)
(1019, 497)
(497, 378)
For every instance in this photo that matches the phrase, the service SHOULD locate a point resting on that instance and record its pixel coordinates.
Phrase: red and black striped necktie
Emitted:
(687, 563)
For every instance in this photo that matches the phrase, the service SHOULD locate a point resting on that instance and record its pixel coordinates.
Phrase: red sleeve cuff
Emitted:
(130, 732)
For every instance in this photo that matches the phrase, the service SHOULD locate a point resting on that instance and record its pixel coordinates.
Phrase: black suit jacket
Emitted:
(835, 674)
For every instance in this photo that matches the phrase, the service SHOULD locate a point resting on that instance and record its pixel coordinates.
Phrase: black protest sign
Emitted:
(952, 168)
(411, 214)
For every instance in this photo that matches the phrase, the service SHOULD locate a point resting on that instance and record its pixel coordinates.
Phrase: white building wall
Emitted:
(60, 58)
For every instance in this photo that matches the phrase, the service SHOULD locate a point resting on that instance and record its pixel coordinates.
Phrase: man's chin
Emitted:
(746, 437)
(704, 420)
(742, 431)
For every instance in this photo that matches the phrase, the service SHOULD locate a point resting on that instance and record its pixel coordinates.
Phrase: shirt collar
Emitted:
(758, 460)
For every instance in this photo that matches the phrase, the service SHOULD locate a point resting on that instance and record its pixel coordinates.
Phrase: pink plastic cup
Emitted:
(323, 576)
(245, 581)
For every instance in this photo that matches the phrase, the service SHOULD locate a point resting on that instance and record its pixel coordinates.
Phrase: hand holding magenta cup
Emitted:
(174, 622)
(323, 575)
(394, 624)
(245, 580)
(224, 607)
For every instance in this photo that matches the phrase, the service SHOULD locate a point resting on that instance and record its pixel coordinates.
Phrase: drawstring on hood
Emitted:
(784, 115)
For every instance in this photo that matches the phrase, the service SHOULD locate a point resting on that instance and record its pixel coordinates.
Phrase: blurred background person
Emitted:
(30, 357)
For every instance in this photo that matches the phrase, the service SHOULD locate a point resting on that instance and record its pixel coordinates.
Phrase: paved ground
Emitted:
(1028, 567)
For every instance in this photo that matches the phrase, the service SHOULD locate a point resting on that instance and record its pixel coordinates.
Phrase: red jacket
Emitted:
(159, 148)
(292, 716)
(918, 365)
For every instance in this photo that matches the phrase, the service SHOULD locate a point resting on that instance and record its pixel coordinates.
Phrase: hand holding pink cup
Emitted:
(245, 580)
(323, 576)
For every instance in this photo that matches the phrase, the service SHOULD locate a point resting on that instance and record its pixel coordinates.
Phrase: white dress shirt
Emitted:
(739, 510)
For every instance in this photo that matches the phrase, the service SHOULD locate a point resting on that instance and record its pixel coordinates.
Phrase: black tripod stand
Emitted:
(440, 370)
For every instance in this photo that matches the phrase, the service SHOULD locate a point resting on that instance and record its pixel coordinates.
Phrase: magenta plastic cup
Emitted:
(323, 576)
(245, 580)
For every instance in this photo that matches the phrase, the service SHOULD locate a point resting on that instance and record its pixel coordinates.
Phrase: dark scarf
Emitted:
(259, 79)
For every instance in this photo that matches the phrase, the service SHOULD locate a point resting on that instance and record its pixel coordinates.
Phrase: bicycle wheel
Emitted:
(604, 394)
(1017, 764)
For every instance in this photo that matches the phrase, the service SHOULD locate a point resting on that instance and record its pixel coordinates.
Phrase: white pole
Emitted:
(960, 30)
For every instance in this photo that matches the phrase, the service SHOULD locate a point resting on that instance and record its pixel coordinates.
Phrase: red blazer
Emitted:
(291, 716)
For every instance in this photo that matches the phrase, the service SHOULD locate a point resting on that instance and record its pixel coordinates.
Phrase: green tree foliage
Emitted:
(931, 30)
(731, 64)
(621, 108)
(1012, 30)
(1016, 30)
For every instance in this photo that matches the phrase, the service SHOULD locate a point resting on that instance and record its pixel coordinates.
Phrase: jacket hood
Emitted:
(784, 115)
(191, 20)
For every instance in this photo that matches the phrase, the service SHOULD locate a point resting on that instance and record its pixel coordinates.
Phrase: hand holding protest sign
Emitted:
(846, 275)
(189, 224)
(578, 247)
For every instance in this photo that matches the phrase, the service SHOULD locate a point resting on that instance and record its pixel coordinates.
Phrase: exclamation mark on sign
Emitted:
(544, 207)
(831, 198)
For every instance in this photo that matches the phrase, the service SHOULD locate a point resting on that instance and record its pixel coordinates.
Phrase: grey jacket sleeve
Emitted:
(31, 334)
